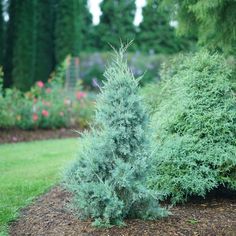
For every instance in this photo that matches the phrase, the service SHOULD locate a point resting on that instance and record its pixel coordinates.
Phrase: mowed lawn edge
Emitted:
(28, 170)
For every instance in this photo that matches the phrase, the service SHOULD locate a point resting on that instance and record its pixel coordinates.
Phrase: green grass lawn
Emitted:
(27, 170)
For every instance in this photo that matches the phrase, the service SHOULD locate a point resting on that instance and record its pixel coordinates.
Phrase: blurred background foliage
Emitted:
(36, 36)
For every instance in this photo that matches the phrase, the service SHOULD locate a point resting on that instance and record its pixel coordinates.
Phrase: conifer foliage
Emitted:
(196, 129)
(25, 45)
(29, 47)
(36, 42)
(213, 22)
(86, 28)
(155, 31)
(66, 29)
(109, 177)
(1, 33)
(116, 23)
(14, 12)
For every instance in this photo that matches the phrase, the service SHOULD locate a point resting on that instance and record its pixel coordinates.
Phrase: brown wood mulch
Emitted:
(49, 215)
(18, 135)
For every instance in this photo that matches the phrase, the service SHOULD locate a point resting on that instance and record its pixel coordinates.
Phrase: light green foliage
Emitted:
(109, 178)
(212, 21)
(196, 129)
(27, 170)
(155, 93)
(6, 113)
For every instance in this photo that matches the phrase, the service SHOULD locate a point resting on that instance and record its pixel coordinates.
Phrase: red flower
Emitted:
(80, 95)
(40, 84)
(45, 113)
(35, 117)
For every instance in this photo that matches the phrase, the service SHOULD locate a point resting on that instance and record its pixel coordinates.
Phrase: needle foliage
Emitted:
(196, 129)
(109, 177)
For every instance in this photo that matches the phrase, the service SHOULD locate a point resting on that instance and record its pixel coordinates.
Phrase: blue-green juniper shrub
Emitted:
(109, 178)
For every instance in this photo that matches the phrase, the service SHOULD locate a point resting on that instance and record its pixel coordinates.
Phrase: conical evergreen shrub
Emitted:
(196, 129)
(109, 177)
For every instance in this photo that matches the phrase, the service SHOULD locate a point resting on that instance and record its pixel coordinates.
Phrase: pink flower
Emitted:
(35, 100)
(40, 84)
(35, 117)
(61, 113)
(48, 90)
(45, 113)
(80, 95)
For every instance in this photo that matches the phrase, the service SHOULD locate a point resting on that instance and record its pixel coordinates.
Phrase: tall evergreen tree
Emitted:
(25, 45)
(155, 32)
(44, 58)
(41, 34)
(67, 28)
(213, 22)
(1, 33)
(11, 26)
(116, 22)
(86, 27)
(32, 43)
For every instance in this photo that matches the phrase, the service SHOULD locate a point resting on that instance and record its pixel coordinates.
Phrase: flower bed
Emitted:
(45, 106)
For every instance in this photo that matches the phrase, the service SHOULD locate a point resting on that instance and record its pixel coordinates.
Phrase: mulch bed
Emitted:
(18, 135)
(49, 215)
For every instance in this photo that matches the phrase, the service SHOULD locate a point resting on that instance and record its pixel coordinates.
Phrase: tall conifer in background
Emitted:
(14, 15)
(1, 33)
(40, 34)
(29, 49)
(25, 45)
(67, 27)
(44, 58)
(86, 27)
(116, 22)
(155, 32)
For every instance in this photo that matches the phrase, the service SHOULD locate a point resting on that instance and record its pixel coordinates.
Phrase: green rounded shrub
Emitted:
(196, 130)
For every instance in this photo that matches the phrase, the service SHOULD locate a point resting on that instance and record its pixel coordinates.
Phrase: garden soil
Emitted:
(17, 135)
(50, 215)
